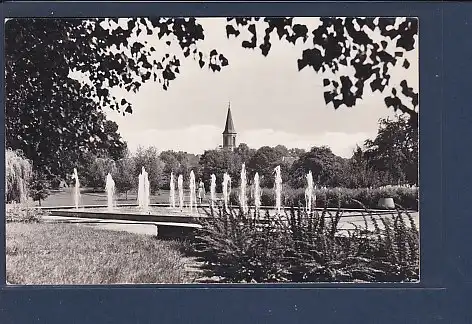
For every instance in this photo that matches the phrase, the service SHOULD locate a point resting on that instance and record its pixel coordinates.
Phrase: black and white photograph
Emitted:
(217, 150)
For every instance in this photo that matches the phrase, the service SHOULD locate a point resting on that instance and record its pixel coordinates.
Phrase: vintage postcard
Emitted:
(211, 150)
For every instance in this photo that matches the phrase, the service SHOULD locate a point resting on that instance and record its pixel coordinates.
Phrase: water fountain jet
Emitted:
(226, 190)
(110, 189)
(143, 190)
(172, 191)
(193, 196)
(180, 183)
(278, 188)
(76, 189)
(213, 191)
(309, 192)
(257, 192)
(242, 188)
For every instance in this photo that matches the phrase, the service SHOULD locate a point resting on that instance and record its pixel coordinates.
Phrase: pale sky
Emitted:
(271, 101)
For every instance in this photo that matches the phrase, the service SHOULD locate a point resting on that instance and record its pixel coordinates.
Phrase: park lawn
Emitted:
(39, 253)
(64, 197)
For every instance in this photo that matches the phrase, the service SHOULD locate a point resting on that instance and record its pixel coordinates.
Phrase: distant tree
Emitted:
(282, 150)
(213, 162)
(171, 160)
(98, 170)
(358, 174)
(171, 165)
(218, 162)
(394, 151)
(264, 162)
(286, 171)
(124, 175)
(188, 163)
(179, 163)
(39, 188)
(149, 159)
(245, 152)
(296, 152)
(325, 166)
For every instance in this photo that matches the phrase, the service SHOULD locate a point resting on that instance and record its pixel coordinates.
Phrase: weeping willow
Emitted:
(18, 175)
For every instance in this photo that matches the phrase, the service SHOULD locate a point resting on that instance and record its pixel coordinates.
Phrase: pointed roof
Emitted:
(229, 127)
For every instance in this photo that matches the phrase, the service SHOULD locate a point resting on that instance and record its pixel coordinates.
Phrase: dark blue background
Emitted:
(444, 293)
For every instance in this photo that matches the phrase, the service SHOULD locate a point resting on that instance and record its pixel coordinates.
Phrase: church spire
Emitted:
(229, 127)
(229, 134)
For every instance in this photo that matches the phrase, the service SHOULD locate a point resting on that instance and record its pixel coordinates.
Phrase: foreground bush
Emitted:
(339, 197)
(298, 247)
(17, 213)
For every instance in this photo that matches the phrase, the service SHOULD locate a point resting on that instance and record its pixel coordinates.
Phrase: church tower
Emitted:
(229, 134)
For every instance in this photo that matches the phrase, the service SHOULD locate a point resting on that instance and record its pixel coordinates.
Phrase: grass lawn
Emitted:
(38, 253)
(64, 197)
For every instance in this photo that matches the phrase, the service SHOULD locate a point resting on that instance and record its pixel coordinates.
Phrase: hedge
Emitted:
(406, 197)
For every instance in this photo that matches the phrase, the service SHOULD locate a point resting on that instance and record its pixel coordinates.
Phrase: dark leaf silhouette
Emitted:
(339, 44)
(230, 30)
(408, 92)
(265, 46)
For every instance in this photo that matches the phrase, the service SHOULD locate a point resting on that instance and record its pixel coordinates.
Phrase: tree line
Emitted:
(390, 158)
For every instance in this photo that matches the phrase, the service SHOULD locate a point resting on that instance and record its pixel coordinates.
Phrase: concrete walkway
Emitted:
(345, 223)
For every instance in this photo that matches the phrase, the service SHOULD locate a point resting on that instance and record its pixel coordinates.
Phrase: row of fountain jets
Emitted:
(144, 191)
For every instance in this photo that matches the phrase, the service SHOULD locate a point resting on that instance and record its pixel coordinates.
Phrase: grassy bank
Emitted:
(38, 253)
